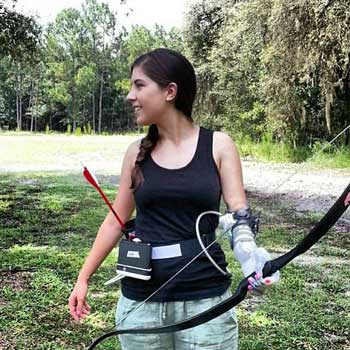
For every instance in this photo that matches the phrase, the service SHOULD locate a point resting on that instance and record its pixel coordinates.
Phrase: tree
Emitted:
(204, 22)
(19, 40)
(19, 34)
(64, 40)
(103, 44)
(309, 58)
(274, 66)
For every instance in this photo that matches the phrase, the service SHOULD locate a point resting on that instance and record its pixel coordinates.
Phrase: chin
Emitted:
(140, 121)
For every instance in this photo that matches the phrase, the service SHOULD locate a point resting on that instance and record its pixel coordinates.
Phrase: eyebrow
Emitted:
(138, 81)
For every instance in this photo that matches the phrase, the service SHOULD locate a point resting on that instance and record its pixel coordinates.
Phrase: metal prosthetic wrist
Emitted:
(245, 217)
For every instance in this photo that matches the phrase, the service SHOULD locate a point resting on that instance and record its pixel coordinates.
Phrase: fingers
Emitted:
(82, 309)
(78, 308)
(256, 283)
(259, 284)
(72, 311)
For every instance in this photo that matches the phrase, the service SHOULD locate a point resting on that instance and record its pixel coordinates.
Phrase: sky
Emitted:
(168, 13)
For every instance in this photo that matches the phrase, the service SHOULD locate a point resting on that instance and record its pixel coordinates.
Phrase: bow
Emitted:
(270, 267)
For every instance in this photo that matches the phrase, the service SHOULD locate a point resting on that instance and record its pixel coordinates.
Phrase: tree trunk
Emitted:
(31, 122)
(17, 109)
(20, 110)
(32, 110)
(93, 113)
(100, 105)
(303, 117)
(18, 103)
(328, 111)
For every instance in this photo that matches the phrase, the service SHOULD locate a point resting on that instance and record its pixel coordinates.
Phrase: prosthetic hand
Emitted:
(251, 257)
(259, 284)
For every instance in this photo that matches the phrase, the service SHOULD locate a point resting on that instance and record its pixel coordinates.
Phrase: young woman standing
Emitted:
(171, 176)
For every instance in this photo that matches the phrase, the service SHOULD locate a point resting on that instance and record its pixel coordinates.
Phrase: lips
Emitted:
(136, 107)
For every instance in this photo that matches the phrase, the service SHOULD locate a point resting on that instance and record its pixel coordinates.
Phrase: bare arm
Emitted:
(251, 257)
(107, 237)
(229, 166)
(110, 232)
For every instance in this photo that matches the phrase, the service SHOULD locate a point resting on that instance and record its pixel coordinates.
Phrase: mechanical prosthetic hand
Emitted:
(244, 228)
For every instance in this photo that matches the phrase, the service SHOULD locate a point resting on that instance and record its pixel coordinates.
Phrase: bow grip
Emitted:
(269, 268)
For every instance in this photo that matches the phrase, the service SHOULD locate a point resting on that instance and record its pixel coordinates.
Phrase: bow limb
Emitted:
(315, 234)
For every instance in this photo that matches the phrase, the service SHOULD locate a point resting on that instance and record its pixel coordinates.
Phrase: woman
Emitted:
(171, 176)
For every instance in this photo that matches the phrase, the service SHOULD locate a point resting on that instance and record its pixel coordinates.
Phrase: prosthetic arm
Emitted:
(251, 257)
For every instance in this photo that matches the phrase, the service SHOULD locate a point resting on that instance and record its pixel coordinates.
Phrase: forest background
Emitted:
(273, 70)
(274, 74)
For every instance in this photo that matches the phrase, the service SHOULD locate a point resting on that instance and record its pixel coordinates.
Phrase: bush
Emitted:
(87, 129)
(77, 131)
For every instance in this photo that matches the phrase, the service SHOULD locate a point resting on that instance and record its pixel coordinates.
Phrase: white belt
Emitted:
(166, 251)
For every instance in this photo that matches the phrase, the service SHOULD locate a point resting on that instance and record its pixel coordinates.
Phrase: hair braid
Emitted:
(146, 147)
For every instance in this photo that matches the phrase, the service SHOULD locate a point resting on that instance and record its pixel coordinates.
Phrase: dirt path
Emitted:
(296, 186)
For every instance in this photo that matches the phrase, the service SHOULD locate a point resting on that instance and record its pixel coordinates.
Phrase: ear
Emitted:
(171, 92)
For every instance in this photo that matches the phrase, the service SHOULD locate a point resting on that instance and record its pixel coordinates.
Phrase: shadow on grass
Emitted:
(48, 223)
(283, 226)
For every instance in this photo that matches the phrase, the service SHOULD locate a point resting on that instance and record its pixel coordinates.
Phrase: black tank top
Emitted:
(167, 206)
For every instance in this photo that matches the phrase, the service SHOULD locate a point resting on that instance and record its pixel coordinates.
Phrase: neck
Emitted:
(175, 127)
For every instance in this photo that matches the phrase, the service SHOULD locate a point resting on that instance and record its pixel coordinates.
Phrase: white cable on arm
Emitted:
(201, 242)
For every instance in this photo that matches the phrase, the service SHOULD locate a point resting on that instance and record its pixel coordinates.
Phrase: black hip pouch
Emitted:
(134, 258)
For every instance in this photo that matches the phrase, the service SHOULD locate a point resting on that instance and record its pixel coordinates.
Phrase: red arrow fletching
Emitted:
(92, 179)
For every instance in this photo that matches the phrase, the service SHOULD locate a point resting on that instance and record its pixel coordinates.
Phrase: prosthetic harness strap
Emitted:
(315, 234)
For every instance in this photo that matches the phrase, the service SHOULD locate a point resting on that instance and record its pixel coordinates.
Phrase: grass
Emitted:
(26, 151)
(319, 157)
(47, 227)
(27, 148)
(48, 223)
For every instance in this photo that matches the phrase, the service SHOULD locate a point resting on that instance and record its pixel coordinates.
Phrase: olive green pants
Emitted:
(220, 333)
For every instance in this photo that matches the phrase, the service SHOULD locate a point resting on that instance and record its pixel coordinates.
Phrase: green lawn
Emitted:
(32, 152)
(48, 222)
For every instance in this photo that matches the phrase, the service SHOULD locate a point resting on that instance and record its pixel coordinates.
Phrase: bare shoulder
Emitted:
(222, 142)
(132, 151)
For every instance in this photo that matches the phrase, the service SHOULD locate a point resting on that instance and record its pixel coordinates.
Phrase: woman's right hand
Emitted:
(78, 307)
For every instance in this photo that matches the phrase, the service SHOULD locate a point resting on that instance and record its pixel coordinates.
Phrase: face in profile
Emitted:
(147, 98)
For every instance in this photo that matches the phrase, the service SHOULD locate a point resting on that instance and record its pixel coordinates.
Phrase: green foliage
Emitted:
(19, 34)
(331, 157)
(267, 150)
(80, 72)
(77, 131)
(288, 57)
(87, 129)
(274, 66)
(319, 154)
(47, 129)
(69, 129)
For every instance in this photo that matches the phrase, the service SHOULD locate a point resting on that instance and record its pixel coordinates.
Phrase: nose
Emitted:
(130, 96)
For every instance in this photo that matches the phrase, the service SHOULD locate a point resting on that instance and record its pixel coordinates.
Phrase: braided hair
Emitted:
(164, 66)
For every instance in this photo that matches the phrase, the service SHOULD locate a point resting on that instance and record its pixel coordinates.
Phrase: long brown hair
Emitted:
(164, 66)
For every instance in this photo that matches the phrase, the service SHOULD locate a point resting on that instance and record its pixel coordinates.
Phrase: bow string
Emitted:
(270, 267)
